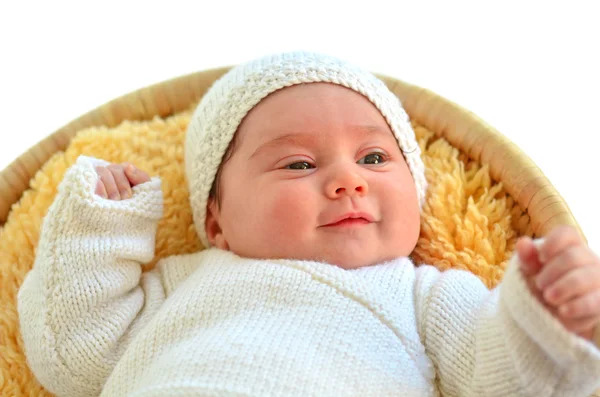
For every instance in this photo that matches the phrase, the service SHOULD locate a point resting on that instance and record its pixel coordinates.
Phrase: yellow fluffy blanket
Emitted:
(468, 221)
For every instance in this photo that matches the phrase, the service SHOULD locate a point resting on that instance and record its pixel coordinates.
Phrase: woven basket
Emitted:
(521, 178)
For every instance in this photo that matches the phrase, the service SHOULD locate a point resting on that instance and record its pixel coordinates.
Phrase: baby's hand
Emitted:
(564, 274)
(116, 180)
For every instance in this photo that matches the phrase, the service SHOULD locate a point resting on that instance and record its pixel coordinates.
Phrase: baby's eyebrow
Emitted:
(303, 138)
(292, 138)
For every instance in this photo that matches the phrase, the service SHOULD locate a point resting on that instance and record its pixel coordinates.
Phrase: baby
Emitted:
(306, 185)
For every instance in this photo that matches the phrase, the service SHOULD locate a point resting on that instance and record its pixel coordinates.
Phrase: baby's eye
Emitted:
(373, 158)
(301, 165)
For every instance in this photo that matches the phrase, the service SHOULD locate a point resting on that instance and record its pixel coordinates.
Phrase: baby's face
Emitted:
(307, 157)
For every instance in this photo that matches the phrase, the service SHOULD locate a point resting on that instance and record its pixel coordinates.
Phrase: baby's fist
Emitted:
(116, 180)
(564, 274)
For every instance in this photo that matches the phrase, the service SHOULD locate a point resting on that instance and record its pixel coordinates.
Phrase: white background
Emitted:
(530, 69)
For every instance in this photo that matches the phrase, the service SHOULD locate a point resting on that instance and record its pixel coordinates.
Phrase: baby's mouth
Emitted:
(349, 222)
(352, 219)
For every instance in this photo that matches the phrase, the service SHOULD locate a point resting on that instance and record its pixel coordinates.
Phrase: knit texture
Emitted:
(233, 326)
(227, 102)
(468, 221)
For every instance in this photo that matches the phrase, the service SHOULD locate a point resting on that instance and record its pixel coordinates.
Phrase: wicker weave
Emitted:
(522, 179)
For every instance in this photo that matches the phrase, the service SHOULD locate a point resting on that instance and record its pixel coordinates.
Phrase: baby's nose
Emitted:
(347, 184)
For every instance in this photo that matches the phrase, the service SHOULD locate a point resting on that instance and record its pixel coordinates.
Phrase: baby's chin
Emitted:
(358, 262)
(352, 255)
(356, 255)
(349, 260)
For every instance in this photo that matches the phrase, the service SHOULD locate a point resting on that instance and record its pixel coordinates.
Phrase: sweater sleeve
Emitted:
(501, 342)
(85, 297)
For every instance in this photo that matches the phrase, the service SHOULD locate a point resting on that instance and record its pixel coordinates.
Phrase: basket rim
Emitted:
(508, 164)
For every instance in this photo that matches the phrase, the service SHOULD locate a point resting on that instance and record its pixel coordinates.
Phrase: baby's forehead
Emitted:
(314, 90)
(312, 107)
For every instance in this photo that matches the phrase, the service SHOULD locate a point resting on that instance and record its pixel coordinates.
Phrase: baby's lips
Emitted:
(350, 215)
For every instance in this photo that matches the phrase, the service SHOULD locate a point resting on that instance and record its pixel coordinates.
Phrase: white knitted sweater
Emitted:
(215, 324)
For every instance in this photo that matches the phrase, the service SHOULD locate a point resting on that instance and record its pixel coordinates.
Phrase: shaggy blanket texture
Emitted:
(468, 221)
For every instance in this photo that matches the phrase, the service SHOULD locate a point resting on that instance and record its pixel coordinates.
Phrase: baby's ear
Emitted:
(214, 233)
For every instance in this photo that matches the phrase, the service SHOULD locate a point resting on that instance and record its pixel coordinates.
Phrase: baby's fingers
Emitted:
(135, 175)
(558, 240)
(108, 182)
(122, 182)
(528, 254)
(101, 190)
(581, 307)
(577, 282)
(573, 257)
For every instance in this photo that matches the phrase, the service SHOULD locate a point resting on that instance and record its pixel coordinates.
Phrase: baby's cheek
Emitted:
(290, 211)
(400, 208)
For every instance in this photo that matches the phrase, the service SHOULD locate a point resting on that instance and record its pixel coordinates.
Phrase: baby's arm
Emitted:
(86, 297)
(499, 343)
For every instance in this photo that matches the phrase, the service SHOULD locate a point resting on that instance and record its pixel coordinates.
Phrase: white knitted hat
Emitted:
(227, 102)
